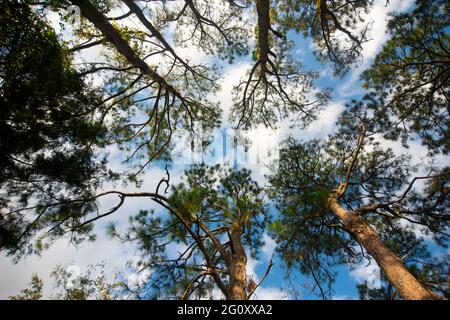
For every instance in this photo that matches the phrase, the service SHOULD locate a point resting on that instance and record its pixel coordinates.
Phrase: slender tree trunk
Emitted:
(263, 10)
(238, 265)
(400, 277)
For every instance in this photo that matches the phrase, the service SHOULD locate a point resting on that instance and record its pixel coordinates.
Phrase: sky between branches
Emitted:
(13, 277)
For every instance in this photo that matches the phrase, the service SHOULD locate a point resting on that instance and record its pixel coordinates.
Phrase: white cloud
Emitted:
(268, 248)
(137, 277)
(378, 17)
(270, 293)
(263, 292)
(300, 52)
(230, 78)
(367, 272)
(319, 128)
(341, 297)
(14, 277)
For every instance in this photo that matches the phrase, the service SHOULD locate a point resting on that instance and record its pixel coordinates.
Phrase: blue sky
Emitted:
(14, 277)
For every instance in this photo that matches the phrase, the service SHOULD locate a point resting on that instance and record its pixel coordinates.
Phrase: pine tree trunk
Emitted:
(238, 265)
(400, 277)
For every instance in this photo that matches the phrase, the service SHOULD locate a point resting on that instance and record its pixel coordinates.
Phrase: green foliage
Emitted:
(92, 284)
(311, 238)
(212, 198)
(224, 196)
(410, 76)
(67, 285)
(331, 24)
(305, 229)
(32, 293)
(274, 90)
(55, 124)
(218, 28)
(49, 138)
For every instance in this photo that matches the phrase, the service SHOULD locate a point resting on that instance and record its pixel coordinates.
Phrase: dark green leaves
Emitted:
(410, 76)
(49, 136)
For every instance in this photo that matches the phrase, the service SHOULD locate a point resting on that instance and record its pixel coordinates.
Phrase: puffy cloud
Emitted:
(15, 277)
(263, 292)
(319, 128)
(270, 293)
(367, 272)
(269, 247)
(231, 77)
(378, 17)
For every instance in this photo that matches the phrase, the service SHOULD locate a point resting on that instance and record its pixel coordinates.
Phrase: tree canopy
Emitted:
(410, 76)
(328, 191)
(50, 136)
(214, 214)
(88, 111)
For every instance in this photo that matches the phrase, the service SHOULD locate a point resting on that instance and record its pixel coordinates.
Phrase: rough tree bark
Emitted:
(238, 265)
(400, 277)
(263, 10)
